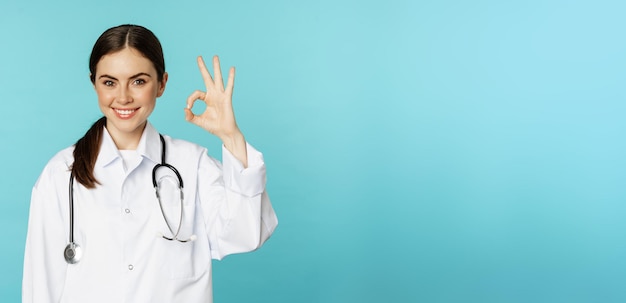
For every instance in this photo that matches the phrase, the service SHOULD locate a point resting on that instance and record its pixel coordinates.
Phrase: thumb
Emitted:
(191, 117)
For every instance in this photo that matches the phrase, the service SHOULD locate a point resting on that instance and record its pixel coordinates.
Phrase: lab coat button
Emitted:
(130, 267)
(127, 211)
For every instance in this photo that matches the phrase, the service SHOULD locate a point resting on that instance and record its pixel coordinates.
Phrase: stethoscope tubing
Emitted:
(71, 193)
(73, 252)
(163, 163)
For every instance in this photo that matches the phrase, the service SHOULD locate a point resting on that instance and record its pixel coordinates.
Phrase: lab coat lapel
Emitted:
(150, 145)
(108, 151)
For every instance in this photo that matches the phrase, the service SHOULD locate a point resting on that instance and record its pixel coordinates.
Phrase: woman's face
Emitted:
(127, 86)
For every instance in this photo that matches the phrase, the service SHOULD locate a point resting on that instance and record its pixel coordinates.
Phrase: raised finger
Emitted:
(218, 72)
(197, 95)
(231, 81)
(208, 80)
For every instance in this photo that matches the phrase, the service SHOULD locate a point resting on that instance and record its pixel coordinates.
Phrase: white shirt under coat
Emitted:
(117, 224)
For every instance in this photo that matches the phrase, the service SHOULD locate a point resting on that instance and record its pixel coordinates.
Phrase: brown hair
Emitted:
(112, 40)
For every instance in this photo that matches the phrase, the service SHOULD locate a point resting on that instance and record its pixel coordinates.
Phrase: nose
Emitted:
(124, 96)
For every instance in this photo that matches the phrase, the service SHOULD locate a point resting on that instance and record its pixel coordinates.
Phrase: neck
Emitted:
(126, 141)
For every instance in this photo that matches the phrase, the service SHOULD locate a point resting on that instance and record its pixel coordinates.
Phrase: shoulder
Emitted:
(189, 154)
(57, 166)
(183, 146)
(64, 158)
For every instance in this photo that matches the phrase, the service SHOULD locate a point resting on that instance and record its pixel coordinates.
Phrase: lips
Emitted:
(125, 113)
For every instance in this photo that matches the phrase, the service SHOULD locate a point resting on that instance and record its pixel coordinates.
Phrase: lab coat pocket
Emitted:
(182, 253)
(180, 259)
(185, 256)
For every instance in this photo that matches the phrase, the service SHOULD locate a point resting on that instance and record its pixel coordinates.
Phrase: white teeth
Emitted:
(125, 111)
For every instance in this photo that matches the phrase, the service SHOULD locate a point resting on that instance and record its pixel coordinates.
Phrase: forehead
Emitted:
(126, 62)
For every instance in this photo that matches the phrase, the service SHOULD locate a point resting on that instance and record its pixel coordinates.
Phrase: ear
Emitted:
(162, 84)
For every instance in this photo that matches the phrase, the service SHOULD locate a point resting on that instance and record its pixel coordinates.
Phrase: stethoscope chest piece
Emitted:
(72, 253)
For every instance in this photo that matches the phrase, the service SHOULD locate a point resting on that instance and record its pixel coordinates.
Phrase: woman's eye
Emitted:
(139, 81)
(108, 83)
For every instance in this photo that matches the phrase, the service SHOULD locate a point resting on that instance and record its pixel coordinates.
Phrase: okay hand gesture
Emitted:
(218, 118)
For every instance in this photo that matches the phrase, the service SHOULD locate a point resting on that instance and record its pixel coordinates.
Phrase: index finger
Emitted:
(208, 80)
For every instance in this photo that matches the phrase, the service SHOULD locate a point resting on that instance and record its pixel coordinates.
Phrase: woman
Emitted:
(121, 242)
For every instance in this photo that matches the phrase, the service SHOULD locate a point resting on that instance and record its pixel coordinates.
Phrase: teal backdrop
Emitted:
(417, 151)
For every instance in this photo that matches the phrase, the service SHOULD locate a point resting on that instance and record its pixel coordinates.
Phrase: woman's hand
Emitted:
(219, 117)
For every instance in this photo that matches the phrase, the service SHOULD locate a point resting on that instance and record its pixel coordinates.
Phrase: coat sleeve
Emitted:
(44, 266)
(238, 213)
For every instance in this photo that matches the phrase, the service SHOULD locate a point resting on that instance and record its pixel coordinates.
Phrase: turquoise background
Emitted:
(417, 151)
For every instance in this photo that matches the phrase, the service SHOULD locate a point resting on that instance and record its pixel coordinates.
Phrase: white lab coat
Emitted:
(117, 224)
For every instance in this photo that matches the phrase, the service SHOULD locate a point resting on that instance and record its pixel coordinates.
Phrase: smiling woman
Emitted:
(127, 85)
(111, 217)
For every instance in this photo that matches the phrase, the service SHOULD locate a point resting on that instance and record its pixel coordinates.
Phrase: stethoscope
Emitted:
(73, 252)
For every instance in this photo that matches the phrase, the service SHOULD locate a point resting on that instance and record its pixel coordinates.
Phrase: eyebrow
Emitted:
(131, 77)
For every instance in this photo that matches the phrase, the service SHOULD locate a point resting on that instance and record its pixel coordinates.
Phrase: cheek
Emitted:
(104, 97)
(148, 96)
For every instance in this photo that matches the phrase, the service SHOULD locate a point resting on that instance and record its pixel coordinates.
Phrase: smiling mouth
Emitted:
(125, 113)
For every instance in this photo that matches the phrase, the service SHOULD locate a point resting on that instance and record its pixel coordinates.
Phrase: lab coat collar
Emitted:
(149, 147)
(150, 144)
(108, 151)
